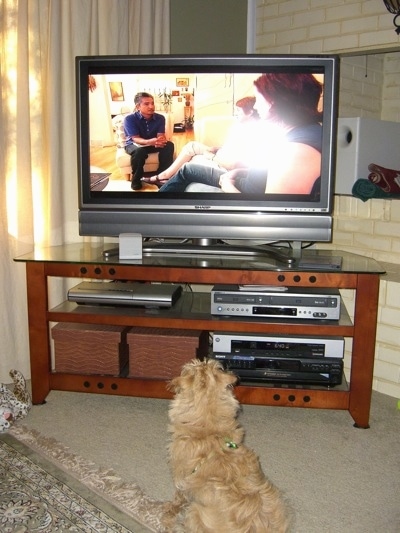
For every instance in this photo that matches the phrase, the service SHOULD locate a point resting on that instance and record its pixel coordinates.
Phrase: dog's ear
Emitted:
(174, 385)
(230, 379)
(225, 377)
(181, 382)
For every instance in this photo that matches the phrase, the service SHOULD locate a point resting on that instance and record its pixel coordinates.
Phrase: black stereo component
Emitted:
(324, 371)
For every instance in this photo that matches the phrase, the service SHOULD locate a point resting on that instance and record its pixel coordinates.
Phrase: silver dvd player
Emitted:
(125, 293)
(275, 302)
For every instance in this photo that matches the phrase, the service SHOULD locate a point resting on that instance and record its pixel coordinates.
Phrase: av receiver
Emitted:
(275, 302)
(278, 346)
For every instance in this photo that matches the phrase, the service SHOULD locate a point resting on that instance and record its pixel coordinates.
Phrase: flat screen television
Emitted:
(193, 93)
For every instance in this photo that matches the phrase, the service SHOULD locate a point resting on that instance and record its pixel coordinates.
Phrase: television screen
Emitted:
(207, 147)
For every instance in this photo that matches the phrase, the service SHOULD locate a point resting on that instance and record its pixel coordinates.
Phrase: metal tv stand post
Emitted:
(192, 312)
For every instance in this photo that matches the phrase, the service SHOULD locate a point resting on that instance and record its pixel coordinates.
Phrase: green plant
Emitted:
(189, 121)
(166, 99)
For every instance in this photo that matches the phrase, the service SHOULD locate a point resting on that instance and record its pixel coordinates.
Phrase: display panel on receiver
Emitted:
(288, 346)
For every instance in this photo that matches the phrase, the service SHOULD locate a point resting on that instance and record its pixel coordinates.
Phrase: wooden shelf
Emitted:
(193, 312)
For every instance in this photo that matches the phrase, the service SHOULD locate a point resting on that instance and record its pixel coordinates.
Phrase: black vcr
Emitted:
(314, 371)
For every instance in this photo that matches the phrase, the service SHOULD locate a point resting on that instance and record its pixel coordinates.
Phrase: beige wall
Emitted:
(370, 87)
(323, 26)
(372, 227)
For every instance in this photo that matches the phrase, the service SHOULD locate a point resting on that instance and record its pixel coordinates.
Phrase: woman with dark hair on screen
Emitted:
(287, 145)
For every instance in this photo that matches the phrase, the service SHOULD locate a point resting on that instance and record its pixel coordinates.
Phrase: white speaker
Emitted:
(362, 141)
(130, 246)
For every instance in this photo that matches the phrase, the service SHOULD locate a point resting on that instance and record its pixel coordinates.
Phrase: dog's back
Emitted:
(218, 477)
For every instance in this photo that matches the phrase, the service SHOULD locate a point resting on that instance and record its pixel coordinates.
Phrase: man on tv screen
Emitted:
(145, 134)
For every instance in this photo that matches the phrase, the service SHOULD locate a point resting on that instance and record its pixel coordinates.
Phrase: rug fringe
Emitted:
(128, 497)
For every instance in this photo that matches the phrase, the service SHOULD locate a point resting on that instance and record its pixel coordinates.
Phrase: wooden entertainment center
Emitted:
(192, 312)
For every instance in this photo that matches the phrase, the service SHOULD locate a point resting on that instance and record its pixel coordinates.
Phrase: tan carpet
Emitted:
(338, 479)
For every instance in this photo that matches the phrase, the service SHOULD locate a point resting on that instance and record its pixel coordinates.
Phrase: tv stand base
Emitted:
(206, 247)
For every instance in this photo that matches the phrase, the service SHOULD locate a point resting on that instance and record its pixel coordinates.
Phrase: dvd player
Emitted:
(125, 293)
(275, 302)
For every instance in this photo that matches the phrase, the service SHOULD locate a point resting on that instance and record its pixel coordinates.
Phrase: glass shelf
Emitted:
(85, 253)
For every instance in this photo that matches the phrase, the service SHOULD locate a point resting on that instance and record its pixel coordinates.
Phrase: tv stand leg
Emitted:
(362, 362)
(39, 346)
(361, 427)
